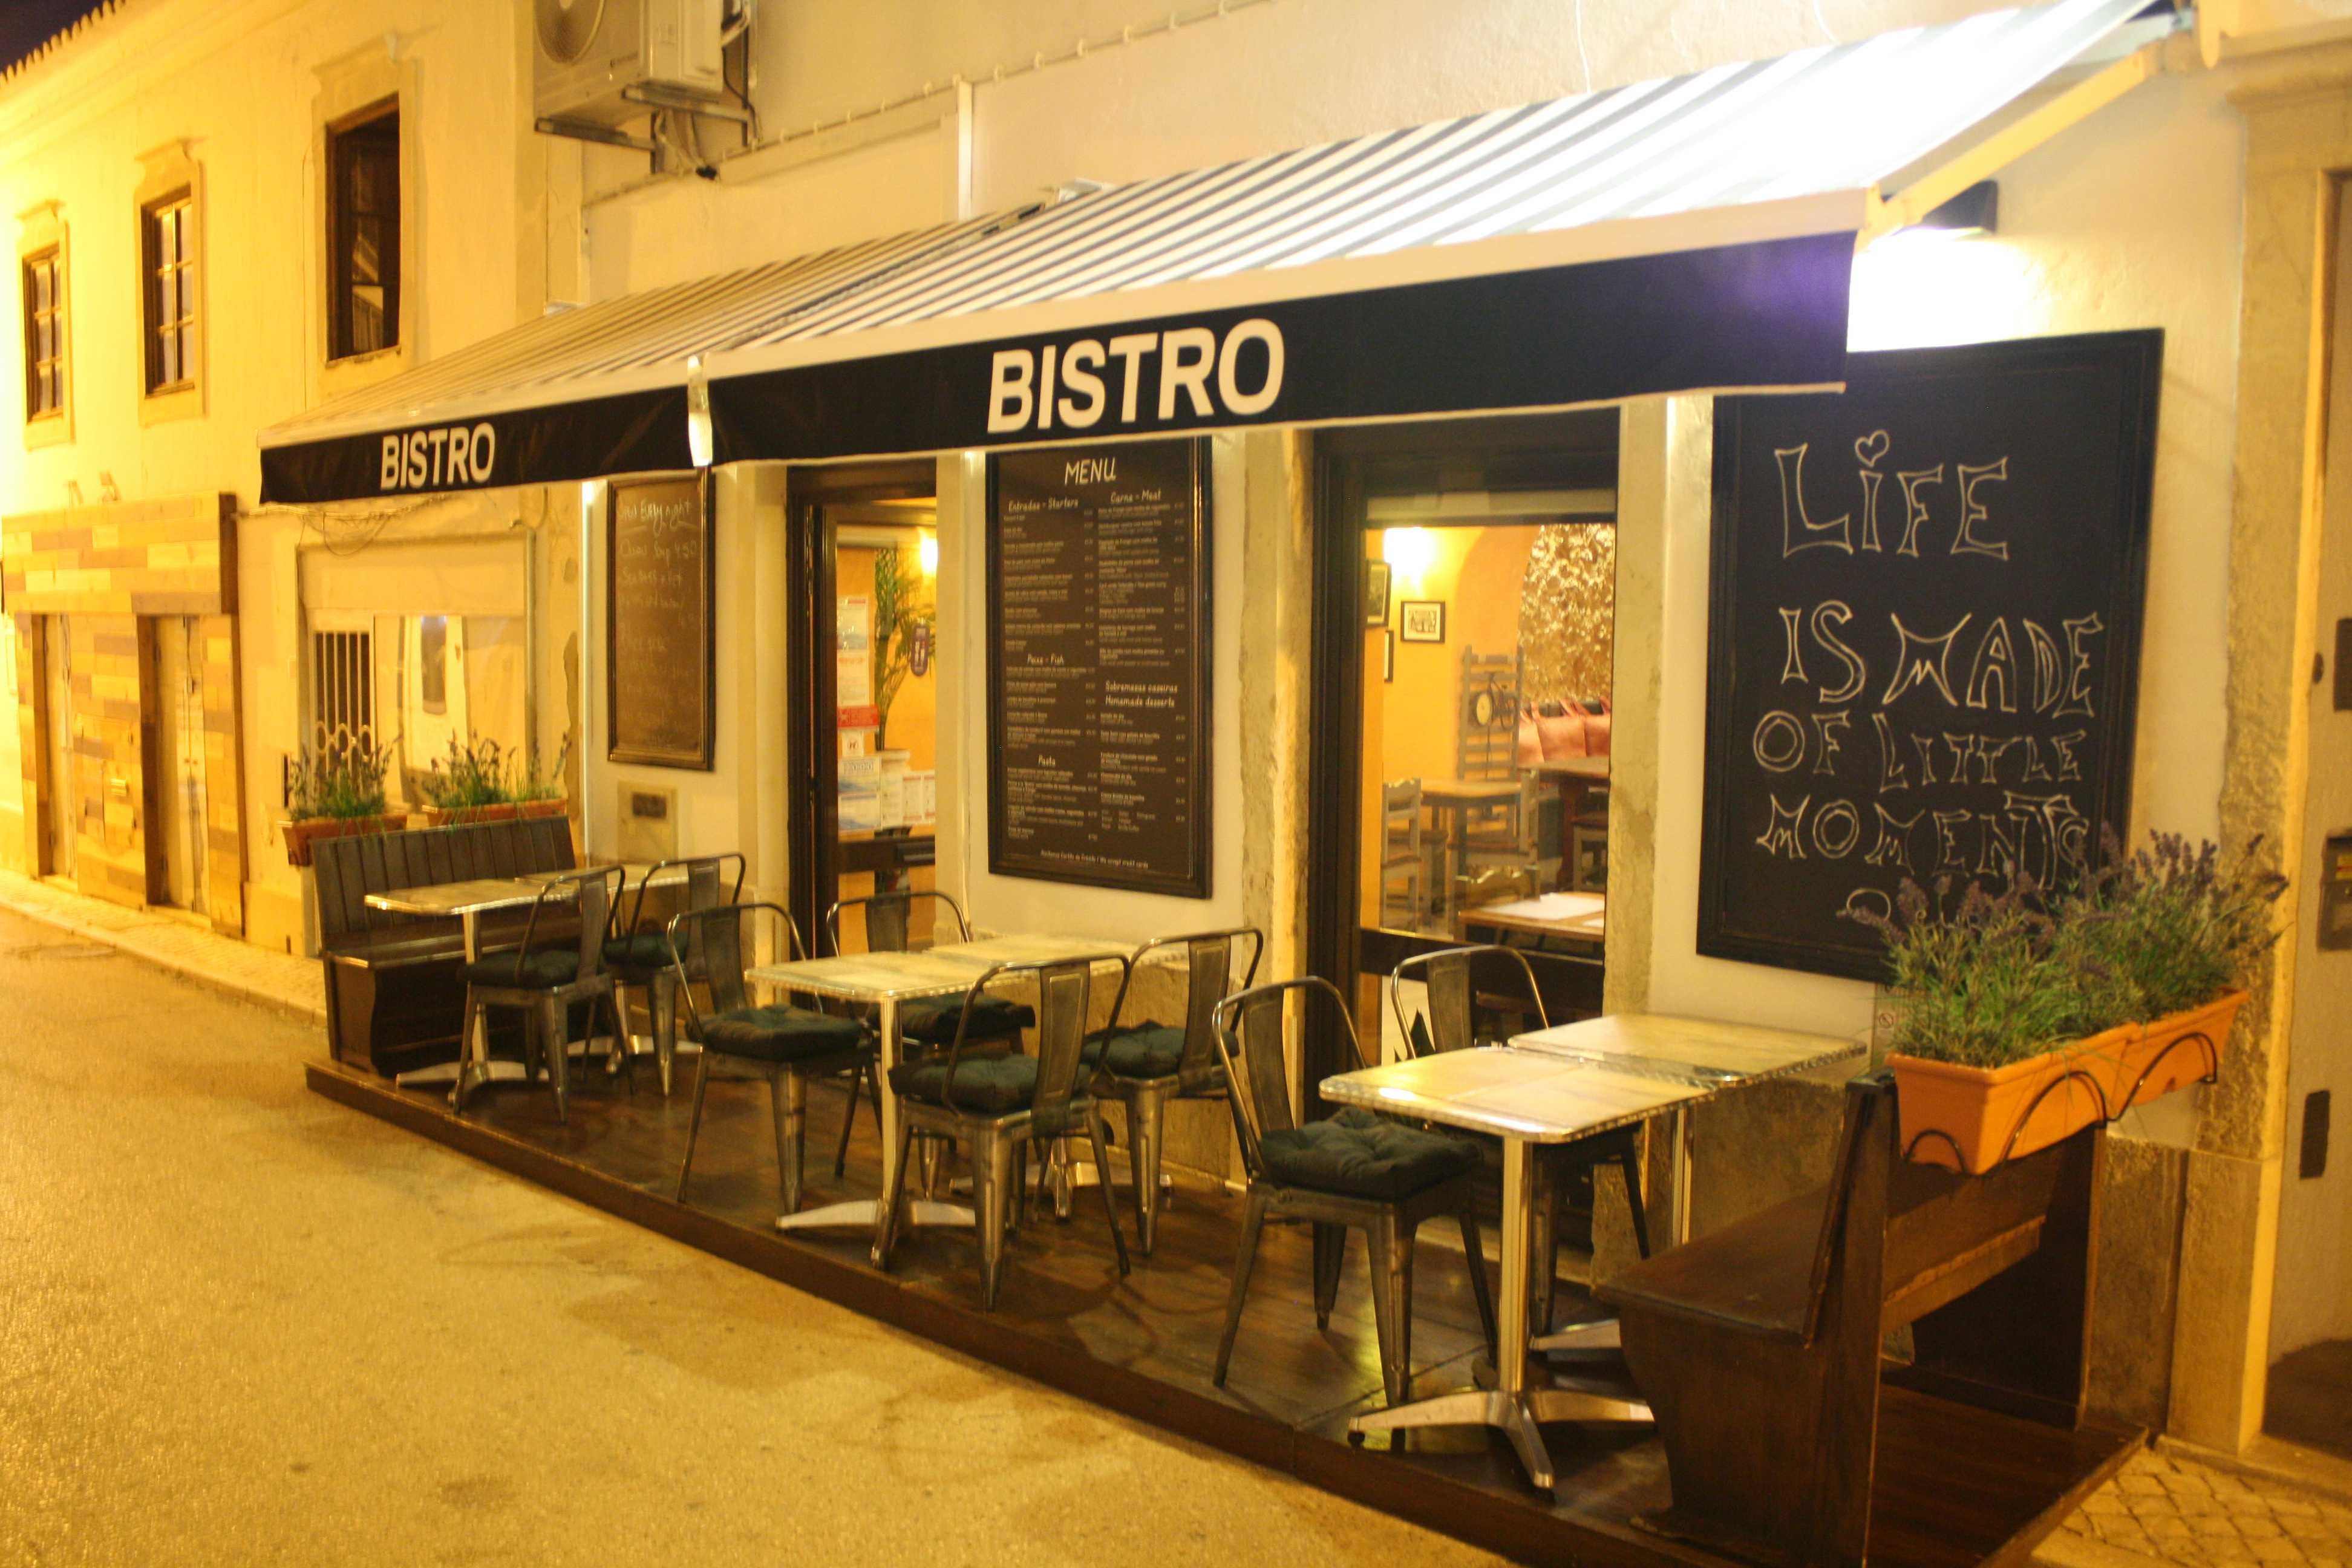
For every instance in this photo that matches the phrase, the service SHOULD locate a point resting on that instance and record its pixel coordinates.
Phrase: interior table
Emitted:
(1571, 1082)
(1578, 919)
(1456, 799)
(887, 980)
(1575, 777)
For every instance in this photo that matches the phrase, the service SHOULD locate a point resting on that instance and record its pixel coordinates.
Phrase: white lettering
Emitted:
(1079, 362)
(389, 480)
(1045, 390)
(1010, 401)
(485, 444)
(1255, 329)
(1129, 350)
(1186, 356)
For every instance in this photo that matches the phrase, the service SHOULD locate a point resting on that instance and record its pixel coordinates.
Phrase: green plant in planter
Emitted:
(479, 772)
(340, 775)
(2171, 927)
(1981, 979)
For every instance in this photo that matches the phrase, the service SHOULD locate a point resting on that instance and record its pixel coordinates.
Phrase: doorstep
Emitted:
(168, 939)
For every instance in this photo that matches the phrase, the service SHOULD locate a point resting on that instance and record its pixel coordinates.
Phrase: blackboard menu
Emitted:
(660, 664)
(1099, 666)
(1924, 642)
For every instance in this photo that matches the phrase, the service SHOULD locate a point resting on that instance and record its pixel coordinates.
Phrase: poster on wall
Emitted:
(660, 664)
(1098, 664)
(1924, 635)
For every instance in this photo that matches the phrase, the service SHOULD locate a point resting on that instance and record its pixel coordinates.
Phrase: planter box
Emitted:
(1970, 1119)
(506, 811)
(300, 835)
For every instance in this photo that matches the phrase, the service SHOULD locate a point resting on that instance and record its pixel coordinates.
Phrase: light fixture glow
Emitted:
(927, 545)
(1409, 551)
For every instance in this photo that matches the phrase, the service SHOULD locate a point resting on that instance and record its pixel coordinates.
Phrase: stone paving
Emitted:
(172, 942)
(2168, 1508)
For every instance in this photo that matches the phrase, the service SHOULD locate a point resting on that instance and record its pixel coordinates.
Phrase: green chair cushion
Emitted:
(1141, 1050)
(989, 1085)
(541, 970)
(1362, 1155)
(640, 953)
(781, 1033)
(992, 1018)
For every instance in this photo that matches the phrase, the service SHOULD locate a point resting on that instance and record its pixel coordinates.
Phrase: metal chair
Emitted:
(999, 1103)
(1587, 845)
(638, 953)
(1449, 1020)
(1404, 857)
(544, 980)
(1145, 1065)
(1354, 1170)
(785, 1043)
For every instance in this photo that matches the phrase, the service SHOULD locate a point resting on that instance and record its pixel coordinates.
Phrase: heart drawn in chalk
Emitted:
(1872, 447)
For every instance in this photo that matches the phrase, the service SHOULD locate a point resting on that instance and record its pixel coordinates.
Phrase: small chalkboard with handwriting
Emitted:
(660, 655)
(1924, 640)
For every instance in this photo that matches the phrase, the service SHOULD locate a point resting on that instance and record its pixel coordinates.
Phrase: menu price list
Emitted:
(1100, 666)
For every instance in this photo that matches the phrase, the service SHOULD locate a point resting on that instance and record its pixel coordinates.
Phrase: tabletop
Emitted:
(1699, 1047)
(933, 971)
(1572, 767)
(1575, 1079)
(1581, 915)
(471, 897)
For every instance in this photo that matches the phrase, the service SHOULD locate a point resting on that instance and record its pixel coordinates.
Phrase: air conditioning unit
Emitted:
(603, 62)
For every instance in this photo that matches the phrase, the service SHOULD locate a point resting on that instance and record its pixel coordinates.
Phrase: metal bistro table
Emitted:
(470, 902)
(887, 980)
(1562, 1084)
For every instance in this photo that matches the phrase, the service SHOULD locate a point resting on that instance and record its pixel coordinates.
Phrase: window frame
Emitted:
(345, 138)
(169, 179)
(52, 256)
(158, 295)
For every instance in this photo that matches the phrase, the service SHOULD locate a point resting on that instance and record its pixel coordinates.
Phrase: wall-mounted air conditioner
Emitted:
(604, 62)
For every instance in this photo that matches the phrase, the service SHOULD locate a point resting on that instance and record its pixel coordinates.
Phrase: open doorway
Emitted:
(1462, 769)
(867, 678)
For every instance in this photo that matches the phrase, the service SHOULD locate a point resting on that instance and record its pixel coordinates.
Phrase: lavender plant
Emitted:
(1982, 978)
(340, 774)
(2172, 925)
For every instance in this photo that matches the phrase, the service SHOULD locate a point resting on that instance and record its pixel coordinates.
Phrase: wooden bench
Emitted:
(1760, 1346)
(396, 986)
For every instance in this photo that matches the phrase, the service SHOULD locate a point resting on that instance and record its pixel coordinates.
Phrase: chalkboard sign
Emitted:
(1923, 649)
(1099, 666)
(660, 658)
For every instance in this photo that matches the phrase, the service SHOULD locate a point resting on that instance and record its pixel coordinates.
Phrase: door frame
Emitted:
(812, 743)
(1564, 451)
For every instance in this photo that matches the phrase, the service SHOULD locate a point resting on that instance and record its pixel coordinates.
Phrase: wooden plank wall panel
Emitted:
(33, 738)
(223, 776)
(112, 742)
(170, 557)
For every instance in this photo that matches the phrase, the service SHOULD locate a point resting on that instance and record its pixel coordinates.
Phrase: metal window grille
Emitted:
(342, 686)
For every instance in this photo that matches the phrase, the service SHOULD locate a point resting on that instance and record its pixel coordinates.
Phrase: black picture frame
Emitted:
(627, 739)
(2121, 377)
(1188, 874)
(1405, 618)
(1376, 593)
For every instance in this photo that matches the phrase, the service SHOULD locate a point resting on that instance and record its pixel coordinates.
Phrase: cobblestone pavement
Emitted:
(2168, 1508)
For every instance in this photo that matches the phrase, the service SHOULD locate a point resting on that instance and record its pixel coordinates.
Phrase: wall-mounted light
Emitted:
(698, 413)
(926, 546)
(1973, 213)
(1409, 551)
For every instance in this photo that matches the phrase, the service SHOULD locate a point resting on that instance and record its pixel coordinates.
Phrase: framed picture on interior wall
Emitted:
(1422, 620)
(1388, 656)
(660, 637)
(1376, 592)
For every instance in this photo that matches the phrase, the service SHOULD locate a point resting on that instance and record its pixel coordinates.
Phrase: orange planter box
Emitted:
(300, 833)
(1962, 1118)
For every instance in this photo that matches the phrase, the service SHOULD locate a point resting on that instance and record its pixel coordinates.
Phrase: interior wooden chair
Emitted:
(1144, 1066)
(786, 1045)
(998, 1103)
(1402, 854)
(1353, 1170)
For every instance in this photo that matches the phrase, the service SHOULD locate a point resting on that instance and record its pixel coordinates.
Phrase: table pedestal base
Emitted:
(1516, 1415)
(1600, 1336)
(865, 1214)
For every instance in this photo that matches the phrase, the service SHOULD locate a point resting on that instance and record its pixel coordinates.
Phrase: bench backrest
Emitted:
(349, 869)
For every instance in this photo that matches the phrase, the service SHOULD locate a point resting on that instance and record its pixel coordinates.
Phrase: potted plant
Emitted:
(2021, 1020)
(479, 780)
(336, 789)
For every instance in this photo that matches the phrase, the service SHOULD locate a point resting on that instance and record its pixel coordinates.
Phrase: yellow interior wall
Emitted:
(914, 715)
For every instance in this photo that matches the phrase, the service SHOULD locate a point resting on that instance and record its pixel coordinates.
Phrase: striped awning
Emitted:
(1688, 234)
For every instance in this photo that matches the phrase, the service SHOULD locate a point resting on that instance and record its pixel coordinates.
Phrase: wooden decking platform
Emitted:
(1955, 1484)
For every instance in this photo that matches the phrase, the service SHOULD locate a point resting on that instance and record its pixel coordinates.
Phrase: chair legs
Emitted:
(1392, 1249)
(554, 1045)
(1330, 1252)
(991, 1180)
(1629, 1162)
(694, 1121)
(873, 1086)
(788, 1097)
(1474, 1254)
(1253, 1225)
(887, 1236)
(1146, 1109)
(1102, 1186)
